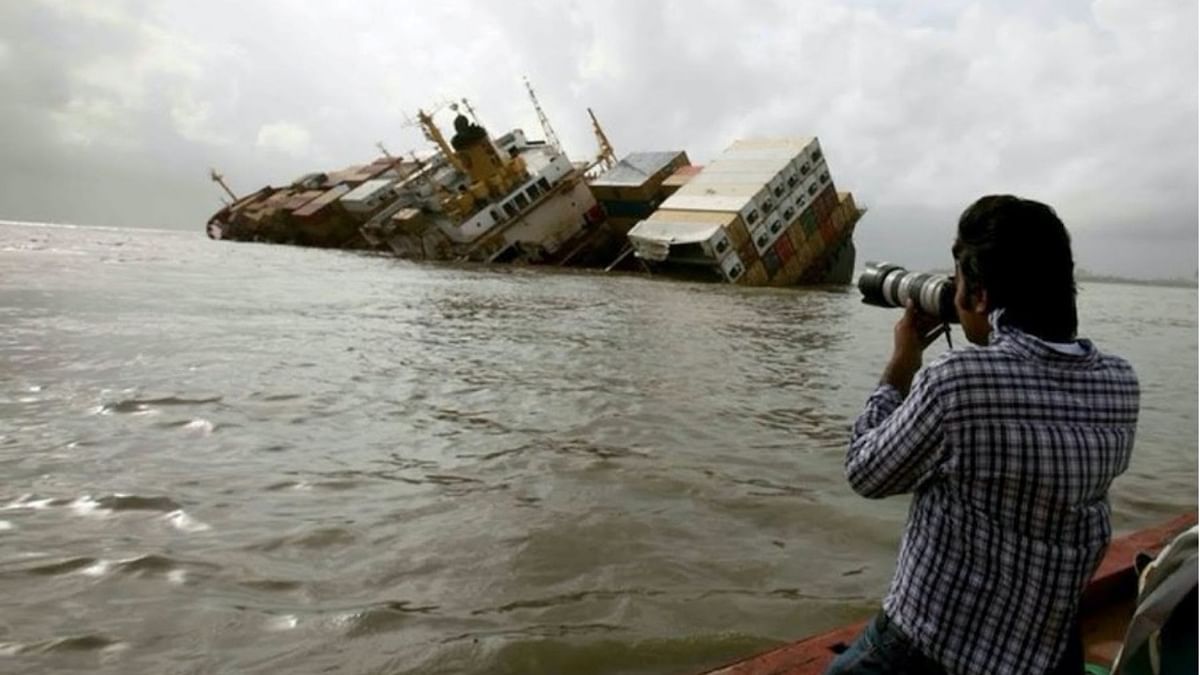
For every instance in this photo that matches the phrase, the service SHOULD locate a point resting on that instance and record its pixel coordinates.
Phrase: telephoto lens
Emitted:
(887, 285)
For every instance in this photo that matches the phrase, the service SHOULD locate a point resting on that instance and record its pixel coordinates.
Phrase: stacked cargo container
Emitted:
(765, 212)
(636, 185)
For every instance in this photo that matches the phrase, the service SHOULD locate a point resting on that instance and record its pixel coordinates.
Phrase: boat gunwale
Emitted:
(1111, 581)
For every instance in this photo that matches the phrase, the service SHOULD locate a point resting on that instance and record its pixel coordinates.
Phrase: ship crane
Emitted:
(434, 135)
(607, 157)
(547, 130)
(220, 180)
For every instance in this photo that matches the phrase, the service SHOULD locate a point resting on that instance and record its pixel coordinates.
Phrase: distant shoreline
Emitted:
(1088, 277)
(1170, 283)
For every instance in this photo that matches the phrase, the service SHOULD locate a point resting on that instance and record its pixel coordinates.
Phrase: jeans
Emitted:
(882, 649)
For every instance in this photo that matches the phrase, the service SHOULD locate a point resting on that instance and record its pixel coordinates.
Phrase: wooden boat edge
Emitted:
(810, 656)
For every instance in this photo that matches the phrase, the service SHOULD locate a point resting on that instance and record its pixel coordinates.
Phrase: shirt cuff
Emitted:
(880, 404)
(887, 395)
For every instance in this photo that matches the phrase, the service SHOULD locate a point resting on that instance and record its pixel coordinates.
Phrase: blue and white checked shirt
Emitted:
(1009, 450)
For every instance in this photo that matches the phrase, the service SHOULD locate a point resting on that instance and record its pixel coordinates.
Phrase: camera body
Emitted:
(886, 285)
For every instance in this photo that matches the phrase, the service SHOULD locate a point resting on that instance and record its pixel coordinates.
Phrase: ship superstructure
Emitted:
(488, 201)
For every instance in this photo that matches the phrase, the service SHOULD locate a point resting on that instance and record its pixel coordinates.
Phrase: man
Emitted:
(1009, 447)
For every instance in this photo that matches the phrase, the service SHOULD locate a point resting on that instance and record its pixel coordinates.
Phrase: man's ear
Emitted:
(981, 301)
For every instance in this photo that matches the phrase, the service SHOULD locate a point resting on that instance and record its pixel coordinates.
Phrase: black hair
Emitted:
(1019, 251)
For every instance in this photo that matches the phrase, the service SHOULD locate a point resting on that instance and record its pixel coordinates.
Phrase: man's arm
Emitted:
(896, 441)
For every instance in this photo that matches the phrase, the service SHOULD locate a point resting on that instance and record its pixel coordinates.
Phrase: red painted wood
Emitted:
(811, 655)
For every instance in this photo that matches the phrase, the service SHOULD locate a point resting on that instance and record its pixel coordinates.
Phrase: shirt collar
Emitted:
(1029, 346)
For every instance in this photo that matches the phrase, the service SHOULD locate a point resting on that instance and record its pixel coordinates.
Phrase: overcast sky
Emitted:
(111, 112)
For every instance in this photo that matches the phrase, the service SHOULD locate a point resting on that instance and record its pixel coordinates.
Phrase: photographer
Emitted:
(1009, 447)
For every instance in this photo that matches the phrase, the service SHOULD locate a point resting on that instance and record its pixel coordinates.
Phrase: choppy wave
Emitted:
(109, 505)
(76, 643)
(136, 406)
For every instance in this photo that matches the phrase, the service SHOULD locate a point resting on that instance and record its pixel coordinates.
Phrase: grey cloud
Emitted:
(1088, 106)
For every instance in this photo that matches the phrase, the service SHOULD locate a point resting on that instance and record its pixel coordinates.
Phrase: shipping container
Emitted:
(792, 269)
(718, 245)
(747, 252)
(783, 248)
(828, 233)
(809, 220)
(738, 234)
(736, 173)
(796, 234)
(829, 195)
(794, 145)
(848, 199)
(689, 240)
(682, 176)
(762, 237)
(732, 267)
(839, 217)
(771, 262)
(803, 254)
(756, 274)
(637, 176)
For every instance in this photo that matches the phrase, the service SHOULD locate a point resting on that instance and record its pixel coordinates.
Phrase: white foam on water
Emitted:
(185, 523)
(97, 569)
(282, 623)
(5, 525)
(177, 577)
(341, 621)
(88, 506)
(10, 648)
(199, 427)
(27, 501)
(112, 651)
(35, 388)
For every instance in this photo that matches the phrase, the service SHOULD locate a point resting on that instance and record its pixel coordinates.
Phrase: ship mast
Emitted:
(547, 130)
(607, 157)
(220, 180)
(470, 111)
(396, 162)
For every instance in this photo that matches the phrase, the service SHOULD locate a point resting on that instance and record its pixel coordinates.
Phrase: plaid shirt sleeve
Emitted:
(897, 442)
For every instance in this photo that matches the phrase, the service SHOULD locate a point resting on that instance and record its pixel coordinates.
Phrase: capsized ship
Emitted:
(478, 199)
(765, 212)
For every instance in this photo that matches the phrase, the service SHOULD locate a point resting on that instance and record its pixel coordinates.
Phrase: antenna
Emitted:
(547, 130)
(220, 180)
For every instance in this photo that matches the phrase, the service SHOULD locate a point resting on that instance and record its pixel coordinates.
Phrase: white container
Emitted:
(718, 245)
(732, 267)
(762, 238)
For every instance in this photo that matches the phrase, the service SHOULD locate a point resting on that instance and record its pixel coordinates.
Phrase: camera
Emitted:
(887, 285)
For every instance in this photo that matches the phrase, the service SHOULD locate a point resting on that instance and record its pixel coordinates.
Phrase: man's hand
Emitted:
(914, 332)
